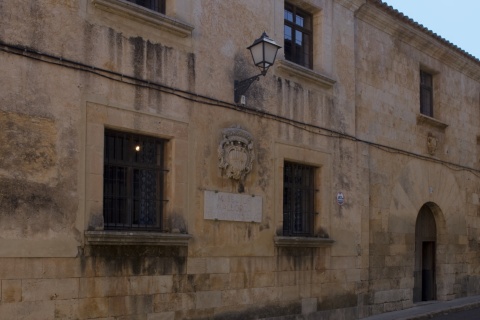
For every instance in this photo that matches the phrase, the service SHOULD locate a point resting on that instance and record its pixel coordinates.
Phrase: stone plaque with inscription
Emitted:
(232, 207)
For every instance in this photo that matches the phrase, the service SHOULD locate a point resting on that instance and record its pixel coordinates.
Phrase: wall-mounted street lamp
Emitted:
(264, 51)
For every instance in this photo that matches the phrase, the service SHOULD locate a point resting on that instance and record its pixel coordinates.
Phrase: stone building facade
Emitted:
(133, 187)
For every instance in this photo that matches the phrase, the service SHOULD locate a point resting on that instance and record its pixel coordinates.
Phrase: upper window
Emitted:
(426, 93)
(133, 181)
(298, 36)
(298, 199)
(155, 5)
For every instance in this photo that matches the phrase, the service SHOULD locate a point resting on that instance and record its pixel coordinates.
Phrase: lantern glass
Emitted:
(264, 51)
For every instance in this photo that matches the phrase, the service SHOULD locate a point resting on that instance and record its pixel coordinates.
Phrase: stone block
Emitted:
(68, 309)
(208, 299)
(241, 265)
(335, 276)
(236, 297)
(173, 302)
(264, 279)
(343, 262)
(263, 295)
(50, 289)
(289, 293)
(309, 305)
(103, 287)
(195, 314)
(138, 305)
(398, 249)
(62, 268)
(160, 284)
(353, 275)
(393, 306)
(219, 281)
(161, 316)
(140, 285)
(11, 291)
(92, 308)
(285, 263)
(117, 306)
(237, 280)
(388, 296)
(286, 278)
(199, 282)
(265, 264)
(28, 310)
(196, 265)
(217, 265)
(252, 264)
(182, 283)
(21, 268)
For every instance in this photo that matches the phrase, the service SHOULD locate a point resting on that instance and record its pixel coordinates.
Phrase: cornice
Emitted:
(133, 11)
(136, 238)
(389, 20)
(302, 242)
(290, 69)
(432, 122)
(351, 5)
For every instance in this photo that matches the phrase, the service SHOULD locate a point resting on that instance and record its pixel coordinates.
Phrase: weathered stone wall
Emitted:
(72, 68)
(404, 174)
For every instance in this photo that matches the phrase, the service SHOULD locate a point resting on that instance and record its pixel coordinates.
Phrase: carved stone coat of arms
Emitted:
(236, 154)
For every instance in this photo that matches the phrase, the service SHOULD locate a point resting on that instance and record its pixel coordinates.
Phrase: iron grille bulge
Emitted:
(133, 181)
(298, 199)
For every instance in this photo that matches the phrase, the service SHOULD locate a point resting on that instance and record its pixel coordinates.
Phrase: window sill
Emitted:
(144, 15)
(302, 242)
(287, 68)
(136, 238)
(423, 119)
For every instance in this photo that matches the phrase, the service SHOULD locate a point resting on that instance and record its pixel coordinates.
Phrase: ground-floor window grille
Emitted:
(298, 199)
(133, 181)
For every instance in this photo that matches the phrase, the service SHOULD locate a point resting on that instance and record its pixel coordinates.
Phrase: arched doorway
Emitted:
(425, 248)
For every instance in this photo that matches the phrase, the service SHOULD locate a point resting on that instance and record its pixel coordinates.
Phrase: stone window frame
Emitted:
(426, 89)
(164, 22)
(175, 132)
(429, 120)
(317, 74)
(306, 29)
(321, 160)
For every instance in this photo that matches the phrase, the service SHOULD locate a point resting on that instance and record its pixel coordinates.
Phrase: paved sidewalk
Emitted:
(426, 310)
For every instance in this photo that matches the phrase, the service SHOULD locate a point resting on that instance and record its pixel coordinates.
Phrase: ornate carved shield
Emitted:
(235, 153)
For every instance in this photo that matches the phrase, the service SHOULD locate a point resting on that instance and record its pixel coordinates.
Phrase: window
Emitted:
(133, 181)
(298, 36)
(298, 199)
(426, 94)
(155, 5)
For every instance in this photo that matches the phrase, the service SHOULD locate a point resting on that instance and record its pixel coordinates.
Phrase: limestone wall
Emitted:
(71, 69)
(407, 174)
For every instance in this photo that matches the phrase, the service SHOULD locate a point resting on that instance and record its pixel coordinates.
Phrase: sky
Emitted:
(456, 21)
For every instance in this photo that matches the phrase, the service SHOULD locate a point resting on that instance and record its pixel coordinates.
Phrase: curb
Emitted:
(430, 315)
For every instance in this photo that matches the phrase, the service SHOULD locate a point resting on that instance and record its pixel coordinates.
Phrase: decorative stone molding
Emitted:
(290, 69)
(398, 26)
(303, 242)
(236, 154)
(351, 4)
(136, 238)
(144, 15)
(432, 144)
(434, 123)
